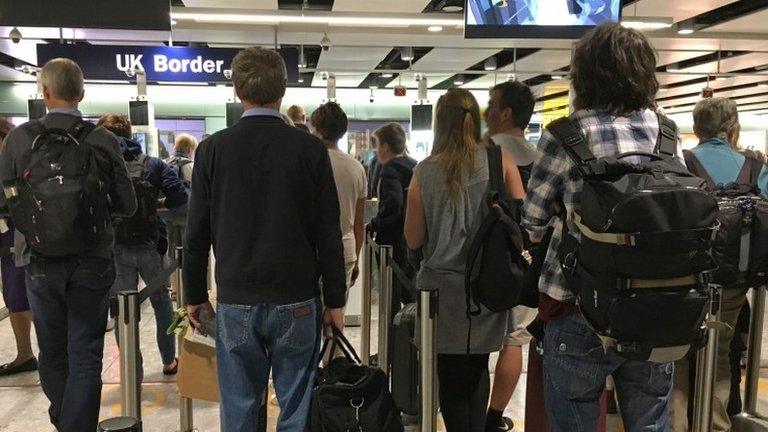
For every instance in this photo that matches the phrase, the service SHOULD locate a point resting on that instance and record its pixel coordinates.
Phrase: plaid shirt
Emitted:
(554, 179)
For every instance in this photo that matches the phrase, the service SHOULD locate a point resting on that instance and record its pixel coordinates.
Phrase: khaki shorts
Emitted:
(519, 318)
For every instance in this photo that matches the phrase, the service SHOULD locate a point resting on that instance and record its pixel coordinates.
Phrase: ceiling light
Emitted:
(663, 89)
(721, 78)
(673, 68)
(406, 53)
(490, 64)
(285, 17)
(458, 82)
(450, 6)
(174, 22)
(435, 28)
(387, 75)
(685, 27)
(511, 77)
(763, 84)
(557, 77)
(647, 23)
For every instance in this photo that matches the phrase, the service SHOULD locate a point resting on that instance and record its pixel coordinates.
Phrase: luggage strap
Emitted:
(634, 239)
(575, 145)
(661, 283)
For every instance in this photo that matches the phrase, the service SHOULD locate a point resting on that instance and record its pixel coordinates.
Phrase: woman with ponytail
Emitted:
(446, 204)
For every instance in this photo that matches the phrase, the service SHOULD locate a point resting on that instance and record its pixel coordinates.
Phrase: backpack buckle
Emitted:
(595, 168)
(569, 262)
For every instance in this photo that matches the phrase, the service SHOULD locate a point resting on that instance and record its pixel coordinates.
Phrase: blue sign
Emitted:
(161, 63)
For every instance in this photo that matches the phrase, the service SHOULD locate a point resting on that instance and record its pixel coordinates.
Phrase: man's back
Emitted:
(264, 195)
(351, 186)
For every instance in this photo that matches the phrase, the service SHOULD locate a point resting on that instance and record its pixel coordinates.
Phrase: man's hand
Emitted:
(193, 312)
(355, 273)
(333, 318)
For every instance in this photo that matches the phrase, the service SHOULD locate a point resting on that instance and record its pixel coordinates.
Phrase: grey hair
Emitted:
(714, 118)
(64, 79)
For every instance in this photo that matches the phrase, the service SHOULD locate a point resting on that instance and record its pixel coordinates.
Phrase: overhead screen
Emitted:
(107, 14)
(554, 19)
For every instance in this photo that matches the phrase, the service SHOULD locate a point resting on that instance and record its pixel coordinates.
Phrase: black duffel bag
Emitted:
(349, 396)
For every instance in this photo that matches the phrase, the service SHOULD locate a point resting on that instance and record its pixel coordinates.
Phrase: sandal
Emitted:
(172, 371)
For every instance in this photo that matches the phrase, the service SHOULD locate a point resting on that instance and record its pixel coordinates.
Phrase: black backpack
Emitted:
(639, 268)
(741, 246)
(495, 264)
(143, 227)
(349, 396)
(177, 163)
(59, 201)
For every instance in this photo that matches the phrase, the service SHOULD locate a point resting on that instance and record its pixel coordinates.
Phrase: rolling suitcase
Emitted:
(405, 362)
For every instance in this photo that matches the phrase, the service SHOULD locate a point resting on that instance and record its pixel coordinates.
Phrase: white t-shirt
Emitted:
(351, 185)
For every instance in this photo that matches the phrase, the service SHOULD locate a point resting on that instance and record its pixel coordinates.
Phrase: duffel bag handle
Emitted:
(338, 339)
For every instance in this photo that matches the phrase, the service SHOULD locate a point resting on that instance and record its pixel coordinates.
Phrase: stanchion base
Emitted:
(120, 424)
(747, 423)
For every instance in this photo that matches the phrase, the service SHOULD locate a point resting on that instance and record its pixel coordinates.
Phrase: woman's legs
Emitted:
(21, 323)
(464, 390)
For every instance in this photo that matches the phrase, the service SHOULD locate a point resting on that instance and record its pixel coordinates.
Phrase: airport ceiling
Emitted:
(728, 50)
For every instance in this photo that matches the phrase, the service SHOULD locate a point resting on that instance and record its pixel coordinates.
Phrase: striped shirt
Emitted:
(555, 180)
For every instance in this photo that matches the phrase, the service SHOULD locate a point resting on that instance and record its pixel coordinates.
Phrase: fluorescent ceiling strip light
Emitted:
(315, 19)
(185, 83)
(647, 23)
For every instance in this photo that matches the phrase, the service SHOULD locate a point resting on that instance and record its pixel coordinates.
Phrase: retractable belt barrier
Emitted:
(374, 254)
(126, 309)
(750, 419)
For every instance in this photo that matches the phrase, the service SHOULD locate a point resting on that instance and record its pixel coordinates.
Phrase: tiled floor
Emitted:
(23, 405)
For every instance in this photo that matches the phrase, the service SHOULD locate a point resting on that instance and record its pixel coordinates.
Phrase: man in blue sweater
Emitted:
(716, 124)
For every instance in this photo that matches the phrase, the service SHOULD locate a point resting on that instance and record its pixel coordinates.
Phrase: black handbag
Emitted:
(351, 397)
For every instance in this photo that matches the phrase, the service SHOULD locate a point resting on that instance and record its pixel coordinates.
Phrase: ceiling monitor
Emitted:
(550, 19)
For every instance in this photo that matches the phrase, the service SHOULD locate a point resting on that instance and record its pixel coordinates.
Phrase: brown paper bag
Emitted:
(197, 372)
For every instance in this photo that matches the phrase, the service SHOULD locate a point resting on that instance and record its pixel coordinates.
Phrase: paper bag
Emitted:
(197, 372)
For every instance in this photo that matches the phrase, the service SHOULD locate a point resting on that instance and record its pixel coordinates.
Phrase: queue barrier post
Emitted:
(706, 366)
(428, 311)
(128, 340)
(385, 305)
(365, 325)
(750, 419)
(186, 416)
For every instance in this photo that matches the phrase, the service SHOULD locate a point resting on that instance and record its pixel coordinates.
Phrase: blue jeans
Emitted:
(250, 341)
(132, 262)
(69, 299)
(575, 368)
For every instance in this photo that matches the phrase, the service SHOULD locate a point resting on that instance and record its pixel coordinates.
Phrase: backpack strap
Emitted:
(496, 171)
(750, 171)
(666, 143)
(80, 130)
(574, 143)
(696, 168)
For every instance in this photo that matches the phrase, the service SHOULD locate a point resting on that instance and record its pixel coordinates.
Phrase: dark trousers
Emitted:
(69, 300)
(464, 390)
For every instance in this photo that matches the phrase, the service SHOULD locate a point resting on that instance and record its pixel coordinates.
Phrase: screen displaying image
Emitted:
(538, 18)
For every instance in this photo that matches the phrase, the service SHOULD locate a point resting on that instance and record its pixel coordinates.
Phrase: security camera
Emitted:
(370, 98)
(15, 35)
(130, 73)
(228, 73)
(324, 76)
(325, 42)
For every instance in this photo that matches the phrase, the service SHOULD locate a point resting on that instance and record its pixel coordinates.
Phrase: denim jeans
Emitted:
(251, 340)
(69, 299)
(132, 262)
(575, 369)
